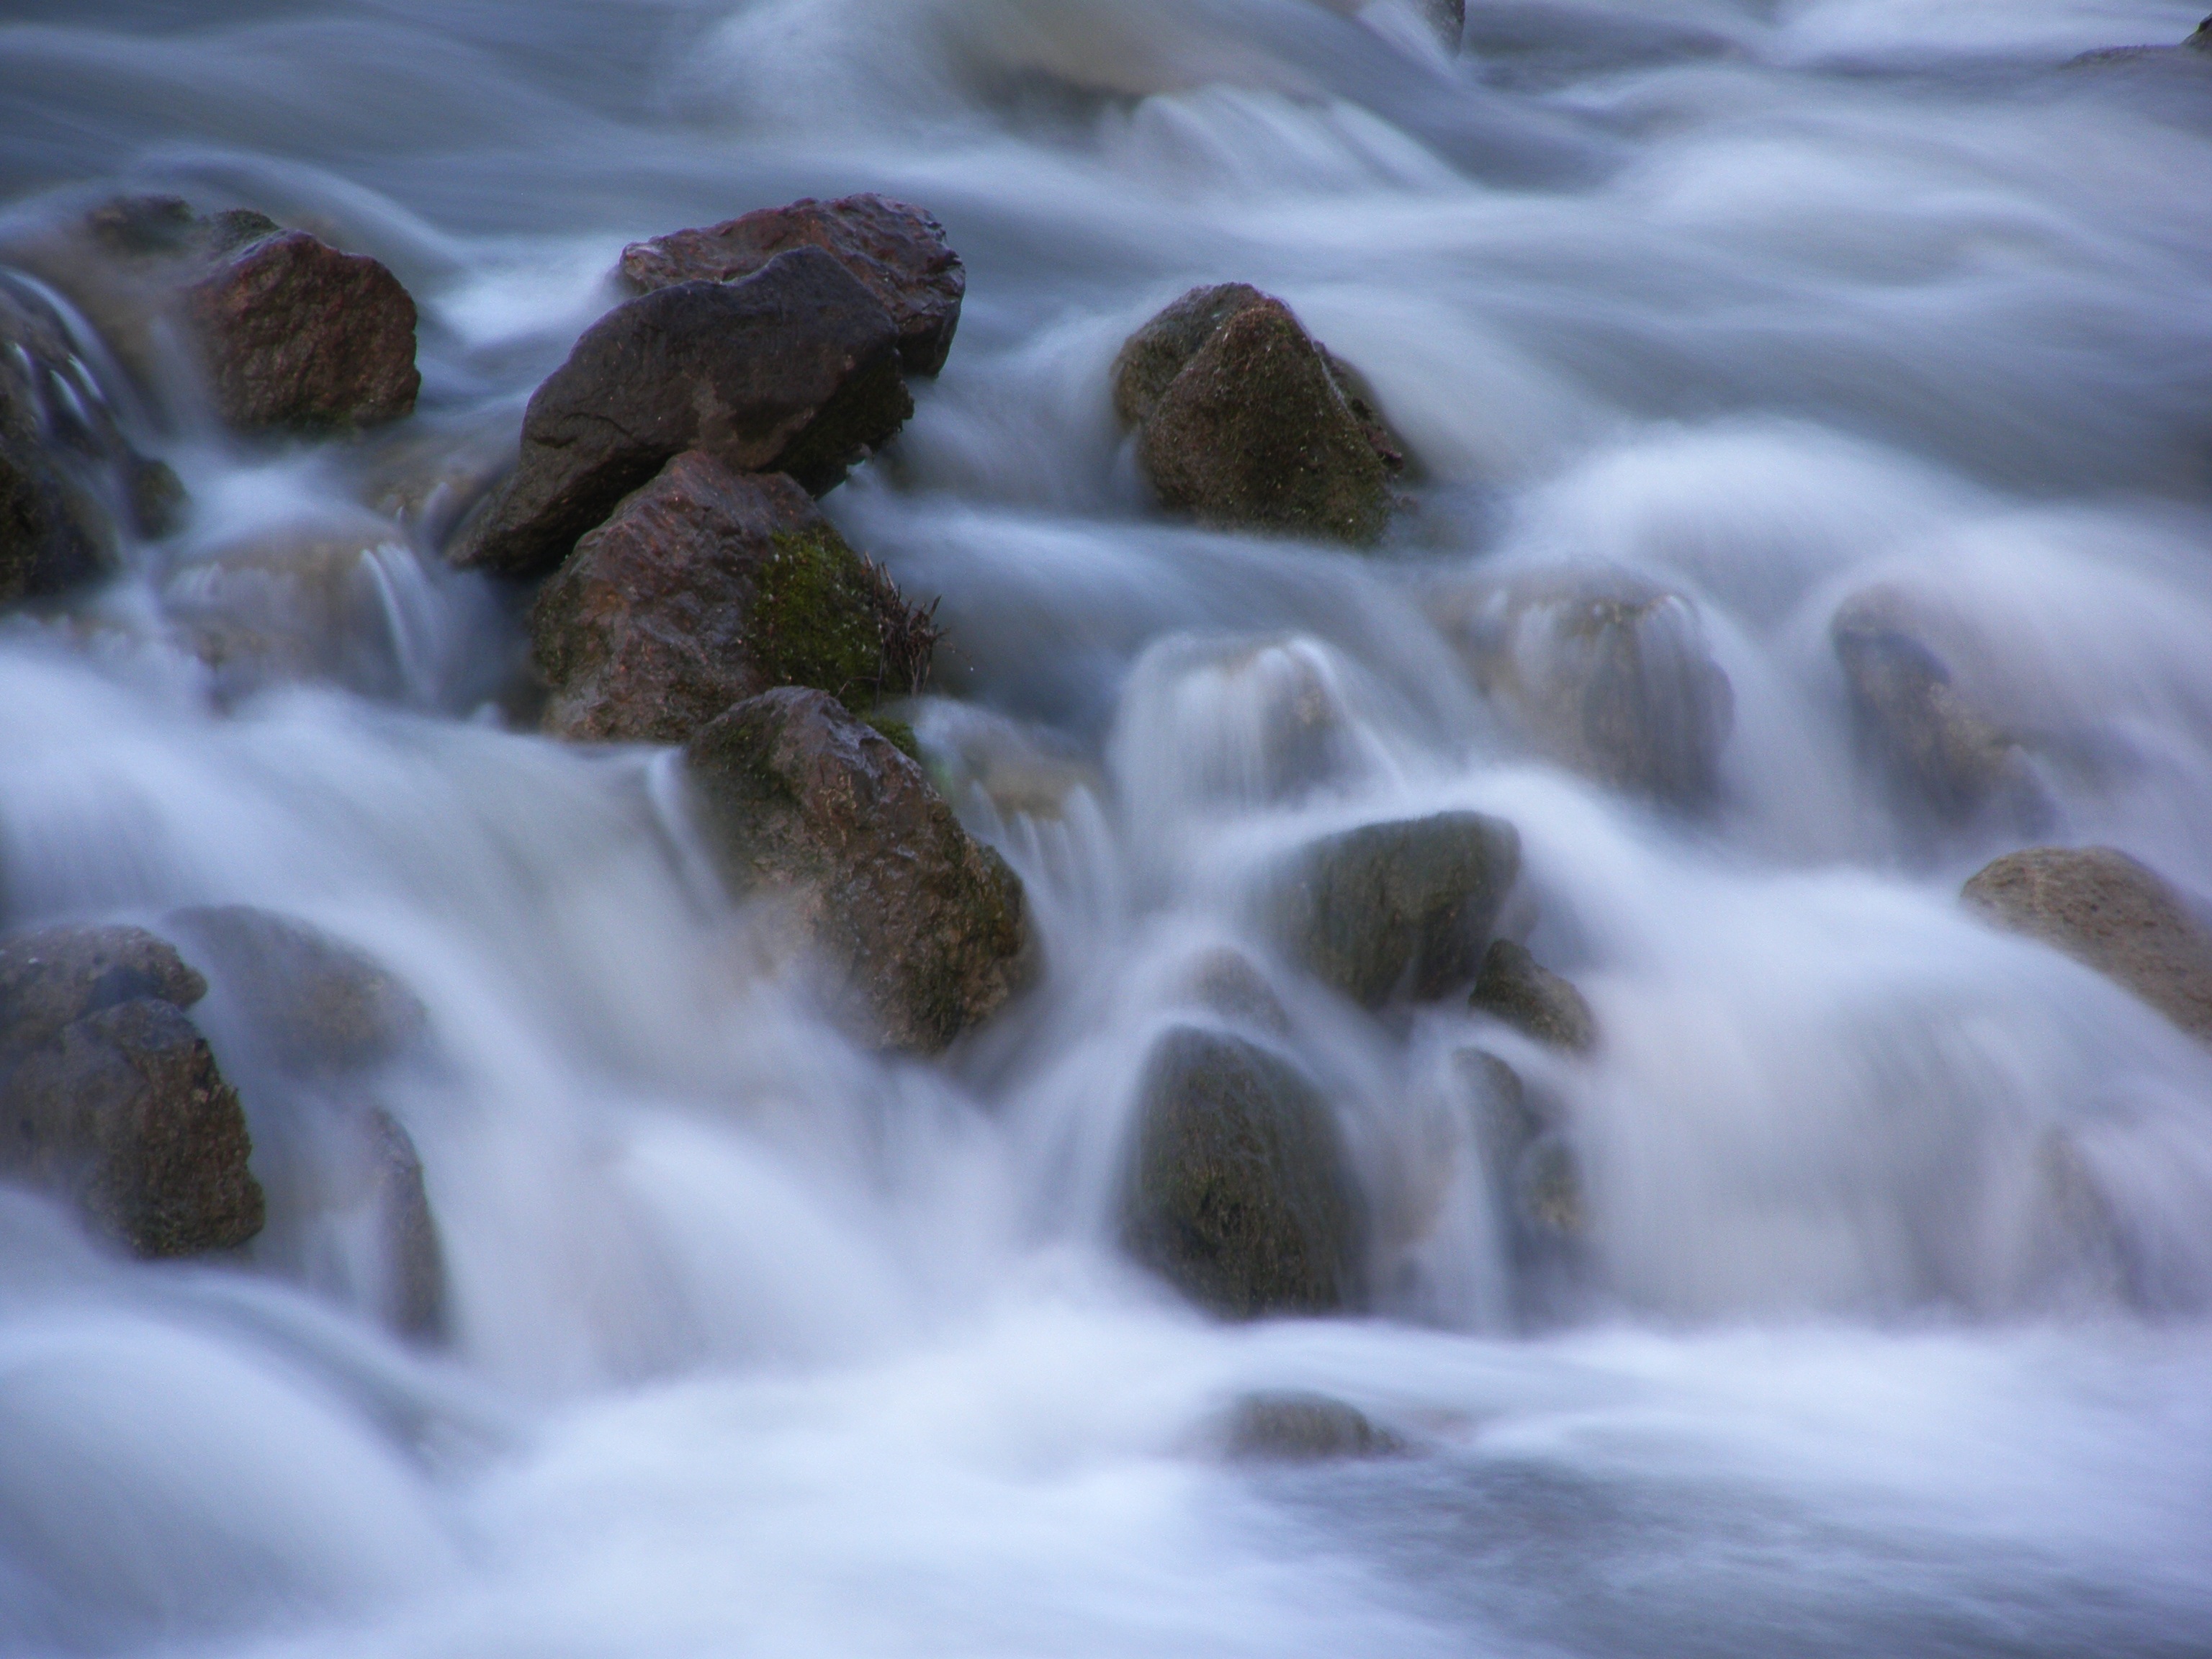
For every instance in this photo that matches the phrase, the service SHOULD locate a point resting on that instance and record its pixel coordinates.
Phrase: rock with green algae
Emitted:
(919, 927)
(1239, 1191)
(1244, 422)
(1397, 910)
(708, 587)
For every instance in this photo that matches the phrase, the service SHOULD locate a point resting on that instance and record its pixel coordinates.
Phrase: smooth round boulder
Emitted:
(1240, 1192)
(1398, 909)
(2108, 911)
(1302, 1428)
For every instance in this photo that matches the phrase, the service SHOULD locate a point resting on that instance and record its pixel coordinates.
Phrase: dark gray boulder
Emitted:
(1240, 1192)
(1394, 909)
(314, 1005)
(1514, 986)
(795, 369)
(921, 924)
(2105, 909)
(1302, 1428)
(705, 587)
(124, 1112)
(897, 253)
(1602, 671)
(1941, 749)
(1244, 422)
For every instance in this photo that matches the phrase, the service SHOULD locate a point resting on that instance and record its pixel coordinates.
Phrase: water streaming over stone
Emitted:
(1879, 1325)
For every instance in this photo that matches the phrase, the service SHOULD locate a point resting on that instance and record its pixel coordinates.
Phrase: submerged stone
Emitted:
(1302, 1428)
(1239, 1191)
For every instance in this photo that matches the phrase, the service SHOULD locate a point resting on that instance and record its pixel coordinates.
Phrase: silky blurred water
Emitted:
(760, 1344)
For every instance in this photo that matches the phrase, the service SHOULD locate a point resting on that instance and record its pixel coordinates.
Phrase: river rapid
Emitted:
(761, 1343)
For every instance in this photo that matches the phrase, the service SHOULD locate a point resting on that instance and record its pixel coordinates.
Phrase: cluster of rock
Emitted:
(691, 592)
(112, 1100)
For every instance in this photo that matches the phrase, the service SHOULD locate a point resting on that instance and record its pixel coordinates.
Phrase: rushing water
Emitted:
(762, 1345)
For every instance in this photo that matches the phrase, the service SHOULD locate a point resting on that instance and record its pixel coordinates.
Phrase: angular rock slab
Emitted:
(1395, 909)
(897, 252)
(795, 369)
(1254, 433)
(1519, 989)
(922, 925)
(296, 336)
(2107, 911)
(1240, 1192)
(705, 587)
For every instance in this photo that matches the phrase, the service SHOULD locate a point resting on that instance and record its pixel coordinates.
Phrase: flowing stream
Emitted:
(761, 1343)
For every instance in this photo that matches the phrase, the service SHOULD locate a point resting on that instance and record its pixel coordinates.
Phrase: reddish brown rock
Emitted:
(298, 337)
(708, 587)
(921, 924)
(795, 369)
(2103, 908)
(897, 252)
(1245, 423)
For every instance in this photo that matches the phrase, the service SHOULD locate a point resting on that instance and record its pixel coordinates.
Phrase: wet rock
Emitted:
(897, 252)
(56, 976)
(70, 483)
(1226, 981)
(1240, 1192)
(296, 337)
(1516, 988)
(315, 1005)
(1548, 1188)
(1533, 1174)
(1302, 1428)
(705, 587)
(795, 369)
(2195, 51)
(413, 1302)
(922, 925)
(124, 1112)
(1603, 672)
(2105, 909)
(1939, 749)
(1245, 423)
(1447, 18)
(1395, 909)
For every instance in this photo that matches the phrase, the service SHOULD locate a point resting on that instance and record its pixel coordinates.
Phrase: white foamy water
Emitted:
(761, 1344)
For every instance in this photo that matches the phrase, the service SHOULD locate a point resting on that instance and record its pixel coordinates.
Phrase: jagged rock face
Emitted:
(705, 587)
(1605, 673)
(795, 369)
(296, 337)
(1941, 752)
(1240, 1192)
(1244, 422)
(1529, 997)
(1395, 909)
(68, 481)
(897, 253)
(110, 1098)
(2105, 909)
(921, 924)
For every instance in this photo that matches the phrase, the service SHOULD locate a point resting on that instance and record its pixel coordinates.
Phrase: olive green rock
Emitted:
(921, 925)
(1395, 909)
(1302, 1428)
(2105, 909)
(1519, 989)
(1240, 1192)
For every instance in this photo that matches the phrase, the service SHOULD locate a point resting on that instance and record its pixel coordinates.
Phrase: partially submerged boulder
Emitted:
(1515, 988)
(1240, 1192)
(705, 587)
(1535, 1176)
(795, 369)
(1302, 1428)
(922, 925)
(1245, 423)
(1940, 749)
(897, 252)
(2105, 909)
(412, 1297)
(1605, 672)
(111, 1097)
(1395, 909)
(314, 1005)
